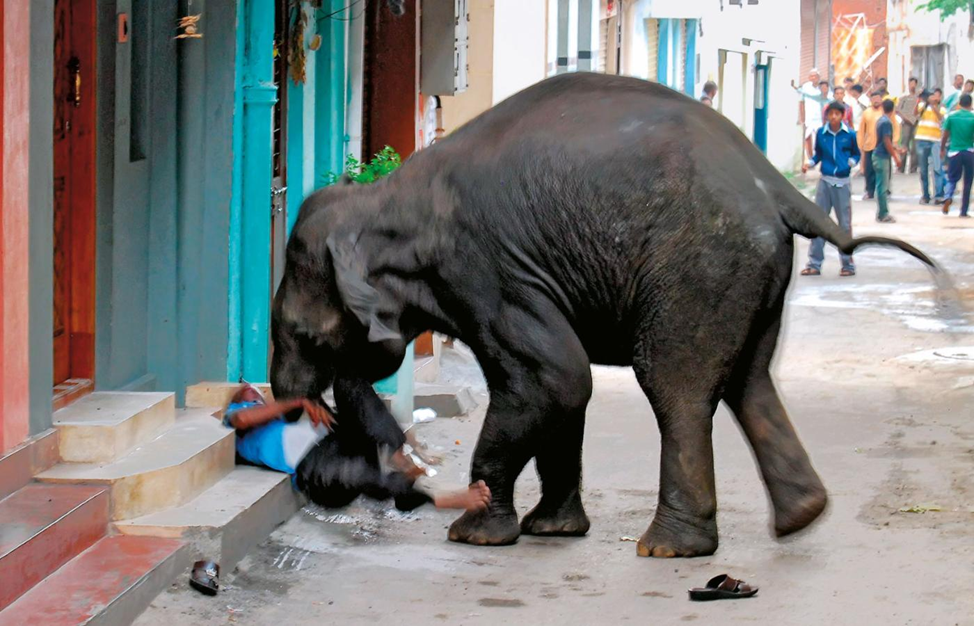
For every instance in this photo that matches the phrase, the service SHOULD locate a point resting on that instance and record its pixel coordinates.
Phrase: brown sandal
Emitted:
(721, 588)
(847, 273)
(811, 271)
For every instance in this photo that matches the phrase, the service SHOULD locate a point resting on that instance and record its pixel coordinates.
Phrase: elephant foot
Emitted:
(669, 537)
(484, 528)
(800, 513)
(566, 520)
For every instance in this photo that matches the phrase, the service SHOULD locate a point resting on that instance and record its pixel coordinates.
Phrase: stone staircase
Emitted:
(104, 511)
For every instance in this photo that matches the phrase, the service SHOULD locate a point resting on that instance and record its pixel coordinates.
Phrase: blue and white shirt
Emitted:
(279, 445)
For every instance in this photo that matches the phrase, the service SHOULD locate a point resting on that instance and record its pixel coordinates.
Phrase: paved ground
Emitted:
(883, 398)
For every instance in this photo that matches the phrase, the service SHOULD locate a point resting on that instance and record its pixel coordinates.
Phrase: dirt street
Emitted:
(881, 391)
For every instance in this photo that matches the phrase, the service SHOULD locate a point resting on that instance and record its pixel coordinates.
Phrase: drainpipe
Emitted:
(259, 97)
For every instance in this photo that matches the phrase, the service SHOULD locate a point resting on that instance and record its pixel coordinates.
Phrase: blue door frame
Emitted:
(762, 75)
(250, 217)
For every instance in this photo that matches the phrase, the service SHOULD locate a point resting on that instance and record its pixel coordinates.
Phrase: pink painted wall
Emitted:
(14, 132)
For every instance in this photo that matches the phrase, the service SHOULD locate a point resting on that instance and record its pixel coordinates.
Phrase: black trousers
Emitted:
(345, 464)
(867, 161)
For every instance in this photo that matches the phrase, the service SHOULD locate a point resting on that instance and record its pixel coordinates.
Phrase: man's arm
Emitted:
(801, 112)
(944, 142)
(893, 150)
(816, 155)
(251, 417)
(854, 154)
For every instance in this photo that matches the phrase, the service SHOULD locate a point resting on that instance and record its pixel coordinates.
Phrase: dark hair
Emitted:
(882, 78)
(926, 93)
(848, 79)
(965, 100)
(888, 106)
(710, 87)
(913, 79)
(939, 90)
(842, 87)
(878, 92)
(835, 105)
(856, 87)
(969, 80)
(823, 82)
(706, 99)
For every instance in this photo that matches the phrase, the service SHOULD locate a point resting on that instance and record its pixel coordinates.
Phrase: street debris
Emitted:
(423, 415)
(920, 508)
(205, 577)
(628, 538)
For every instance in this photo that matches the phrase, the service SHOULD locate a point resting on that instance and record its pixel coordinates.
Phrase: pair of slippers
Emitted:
(722, 587)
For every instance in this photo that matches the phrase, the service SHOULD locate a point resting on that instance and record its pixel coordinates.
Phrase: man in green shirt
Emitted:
(958, 145)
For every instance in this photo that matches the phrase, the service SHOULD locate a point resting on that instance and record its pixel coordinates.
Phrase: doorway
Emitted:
(282, 19)
(74, 198)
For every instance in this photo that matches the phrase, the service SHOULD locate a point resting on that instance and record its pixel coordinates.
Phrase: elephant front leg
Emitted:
(559, 464)
(537, 409)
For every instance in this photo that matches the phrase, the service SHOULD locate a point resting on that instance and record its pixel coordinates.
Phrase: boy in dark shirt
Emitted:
(883, 154)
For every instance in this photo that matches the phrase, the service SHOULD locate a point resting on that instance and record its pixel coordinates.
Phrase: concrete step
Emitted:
(18, 466)
(103, 426)
(112, 582)
(227, 520)
(44, 526)
(168, 471)
(216, 395)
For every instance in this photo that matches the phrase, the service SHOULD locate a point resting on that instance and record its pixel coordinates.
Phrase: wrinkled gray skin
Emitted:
(587, 219)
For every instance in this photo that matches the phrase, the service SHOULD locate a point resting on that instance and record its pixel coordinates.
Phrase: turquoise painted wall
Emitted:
(164, 122)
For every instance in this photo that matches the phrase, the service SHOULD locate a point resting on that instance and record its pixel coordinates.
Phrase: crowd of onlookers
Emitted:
(927, 131)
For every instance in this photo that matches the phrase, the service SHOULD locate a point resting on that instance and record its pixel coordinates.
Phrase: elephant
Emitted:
(588, 219)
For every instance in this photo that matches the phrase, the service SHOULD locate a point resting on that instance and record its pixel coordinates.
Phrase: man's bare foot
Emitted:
(474, 498)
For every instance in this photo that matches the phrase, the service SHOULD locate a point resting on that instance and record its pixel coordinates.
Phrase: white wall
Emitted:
(773, 27)
(519, 46)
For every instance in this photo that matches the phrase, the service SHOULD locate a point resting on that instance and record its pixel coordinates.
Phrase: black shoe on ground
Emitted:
(886, 219)
(924, 200)
(938, 201)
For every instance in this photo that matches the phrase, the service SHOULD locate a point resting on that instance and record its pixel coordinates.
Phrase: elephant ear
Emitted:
(360, 298)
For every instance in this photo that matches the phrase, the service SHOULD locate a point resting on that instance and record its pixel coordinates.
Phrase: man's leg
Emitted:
(842, 201)
(332, 476)
(923, 155)
(816, 251)
(968, 162)
(882, 168)
(955, 170)
(867, 159)
(938, 172)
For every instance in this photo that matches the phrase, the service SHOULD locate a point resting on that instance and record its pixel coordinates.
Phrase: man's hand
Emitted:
(804, 167)
(319, 415)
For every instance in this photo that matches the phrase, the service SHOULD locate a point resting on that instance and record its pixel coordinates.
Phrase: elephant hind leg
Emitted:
(796, 491)
(685, 523)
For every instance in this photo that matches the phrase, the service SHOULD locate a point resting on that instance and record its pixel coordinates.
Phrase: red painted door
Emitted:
(74, 191)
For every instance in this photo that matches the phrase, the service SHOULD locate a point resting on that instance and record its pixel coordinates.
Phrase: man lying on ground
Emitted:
(333, 463)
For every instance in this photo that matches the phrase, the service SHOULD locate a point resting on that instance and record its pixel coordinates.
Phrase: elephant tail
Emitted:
(804, 218)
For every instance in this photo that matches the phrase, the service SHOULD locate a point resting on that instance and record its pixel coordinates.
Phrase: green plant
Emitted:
(946, 7)
(382, 164)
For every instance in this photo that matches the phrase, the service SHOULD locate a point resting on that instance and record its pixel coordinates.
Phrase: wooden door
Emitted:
(74, 190)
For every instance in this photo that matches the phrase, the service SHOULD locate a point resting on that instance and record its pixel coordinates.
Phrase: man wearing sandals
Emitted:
(837, 151)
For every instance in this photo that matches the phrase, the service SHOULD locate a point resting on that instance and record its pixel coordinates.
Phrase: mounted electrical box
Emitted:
(443, 55)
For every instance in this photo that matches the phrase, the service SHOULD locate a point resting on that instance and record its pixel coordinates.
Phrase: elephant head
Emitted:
(329, 319)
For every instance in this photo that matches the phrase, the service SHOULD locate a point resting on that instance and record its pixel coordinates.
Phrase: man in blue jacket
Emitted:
(836, 149)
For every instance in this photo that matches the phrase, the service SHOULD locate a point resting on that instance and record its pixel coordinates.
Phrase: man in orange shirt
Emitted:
(866, 137)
